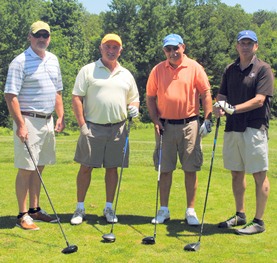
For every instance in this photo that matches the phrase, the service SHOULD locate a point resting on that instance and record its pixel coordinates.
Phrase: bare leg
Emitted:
(22, 189)
(83, 182)
(191, 183)
(239, 186)
(111, 178)
(34, 188)
(262, 192)
(165, 185)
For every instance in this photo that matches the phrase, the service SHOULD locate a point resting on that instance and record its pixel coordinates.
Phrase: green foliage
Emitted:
(209, 29)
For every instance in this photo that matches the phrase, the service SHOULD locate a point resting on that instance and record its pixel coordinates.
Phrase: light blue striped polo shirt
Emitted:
(35, 81)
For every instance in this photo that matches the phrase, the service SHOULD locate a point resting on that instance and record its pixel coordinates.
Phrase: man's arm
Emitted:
(60, 124)
(151, 102)
(77, 105)
(206, 99)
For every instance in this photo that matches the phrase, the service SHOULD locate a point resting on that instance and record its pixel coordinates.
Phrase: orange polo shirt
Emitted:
(177, 90)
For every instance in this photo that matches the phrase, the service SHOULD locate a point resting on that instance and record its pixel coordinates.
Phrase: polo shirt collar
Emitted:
(184, 63)
(253, 61)
(31, 52)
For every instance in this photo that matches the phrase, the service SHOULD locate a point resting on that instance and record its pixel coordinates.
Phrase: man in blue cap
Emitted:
(173, 90)
(244, 97)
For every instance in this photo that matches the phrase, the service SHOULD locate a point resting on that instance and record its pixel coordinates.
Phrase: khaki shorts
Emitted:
(103, 146)
(41, 140)
(182, 140)
(246, 151)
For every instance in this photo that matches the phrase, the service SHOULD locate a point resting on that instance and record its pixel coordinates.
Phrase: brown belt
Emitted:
(36, 115)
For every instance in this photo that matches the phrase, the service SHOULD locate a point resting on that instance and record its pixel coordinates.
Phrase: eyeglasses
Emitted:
(38, 35)
(169, 49)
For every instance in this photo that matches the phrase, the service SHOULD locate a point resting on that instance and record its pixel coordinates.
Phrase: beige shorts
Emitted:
(103, 146)
(246, 151)
(41, 140)
(182, 140)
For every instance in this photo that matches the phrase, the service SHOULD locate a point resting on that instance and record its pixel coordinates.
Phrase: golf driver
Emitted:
(196, 246)
(151, 239)
(111, 237)
(70, 248)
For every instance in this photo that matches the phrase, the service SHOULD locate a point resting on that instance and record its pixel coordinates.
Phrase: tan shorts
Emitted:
(182, 140)
(41, 140)
(104, 146)
(246, 151)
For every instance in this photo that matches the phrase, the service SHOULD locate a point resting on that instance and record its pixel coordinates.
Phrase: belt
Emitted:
(180, 121)
(36, 115)
(108, 124)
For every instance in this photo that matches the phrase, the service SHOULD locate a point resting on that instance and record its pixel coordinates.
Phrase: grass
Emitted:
(136, 207)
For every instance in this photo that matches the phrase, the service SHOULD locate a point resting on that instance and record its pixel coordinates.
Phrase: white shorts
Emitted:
(246, 151)
(41, 141)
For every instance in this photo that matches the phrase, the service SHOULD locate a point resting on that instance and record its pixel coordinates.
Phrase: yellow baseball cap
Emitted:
(39, 25)
(111, 37)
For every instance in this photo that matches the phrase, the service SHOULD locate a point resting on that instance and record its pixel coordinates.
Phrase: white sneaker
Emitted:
(78, 217)
(162, 216)
(192, 219)
(110, 216)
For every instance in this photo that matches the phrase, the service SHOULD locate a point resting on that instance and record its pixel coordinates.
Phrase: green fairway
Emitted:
(136, 208)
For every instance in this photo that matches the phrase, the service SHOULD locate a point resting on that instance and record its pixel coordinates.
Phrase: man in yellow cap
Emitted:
(104, 95)
(33, 92)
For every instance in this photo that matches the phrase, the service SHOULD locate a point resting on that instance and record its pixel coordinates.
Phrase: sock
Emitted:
(109, 205)
(80, 205)
(258, 221)
(190, 210)
(164, 208)
(21, 214)
(240, 214)
(34, 210)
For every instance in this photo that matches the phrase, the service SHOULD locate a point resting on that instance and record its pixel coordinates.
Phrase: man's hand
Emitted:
(133, 111)
(228, 108)
(205, 128)
(84, 130)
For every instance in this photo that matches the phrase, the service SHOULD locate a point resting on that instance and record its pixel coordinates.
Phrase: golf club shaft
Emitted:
(158, 181)
(40, 177)
(121, 170)
(209, 178)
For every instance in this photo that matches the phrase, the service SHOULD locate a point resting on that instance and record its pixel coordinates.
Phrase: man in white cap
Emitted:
(244, 97)
(104, 95)
(32, 92)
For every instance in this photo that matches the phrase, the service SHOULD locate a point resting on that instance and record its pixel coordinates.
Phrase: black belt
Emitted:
(108, 124)
(35, 115)
(180, 121)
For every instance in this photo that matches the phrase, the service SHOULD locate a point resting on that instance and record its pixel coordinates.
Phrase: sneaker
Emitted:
(78, 217)
(232, 221)
(41, 215)
(250, 229)
(110, 216)
(161, 217)
(192, 219)
(26, 222)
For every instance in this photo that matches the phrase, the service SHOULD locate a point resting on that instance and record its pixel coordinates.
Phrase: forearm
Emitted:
(207, 105)
(59, 109)
(77, 105)
(151, 103)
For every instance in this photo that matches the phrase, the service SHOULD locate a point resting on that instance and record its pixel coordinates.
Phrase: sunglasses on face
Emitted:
(169, 49)
(38, 35)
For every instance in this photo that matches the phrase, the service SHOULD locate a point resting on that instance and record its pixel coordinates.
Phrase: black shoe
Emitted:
(250, 229)
(233, 221)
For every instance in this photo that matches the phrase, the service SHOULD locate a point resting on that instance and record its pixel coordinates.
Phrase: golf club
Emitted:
(196, 246)
(70, 248)
(150, 240)
(111, 237)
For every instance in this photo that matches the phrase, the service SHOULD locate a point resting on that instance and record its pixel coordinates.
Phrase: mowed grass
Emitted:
(136, 207)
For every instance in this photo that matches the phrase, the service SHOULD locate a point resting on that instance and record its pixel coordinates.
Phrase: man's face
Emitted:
(110, 50)
(40, 40)
(247, 47)
(174, 54)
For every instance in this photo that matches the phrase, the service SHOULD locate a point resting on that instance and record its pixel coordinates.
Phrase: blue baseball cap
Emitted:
(247, 34)
(172, 40)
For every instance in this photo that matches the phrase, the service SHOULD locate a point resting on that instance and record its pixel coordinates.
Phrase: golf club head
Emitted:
(148, 241)
(109, 237)
(70, 249)
(192, 246)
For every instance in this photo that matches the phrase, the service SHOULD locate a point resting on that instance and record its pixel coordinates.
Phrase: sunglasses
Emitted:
(169, 49)
(38, 35)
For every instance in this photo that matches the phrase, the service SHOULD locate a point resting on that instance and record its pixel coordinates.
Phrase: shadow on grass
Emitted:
(179, 228)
